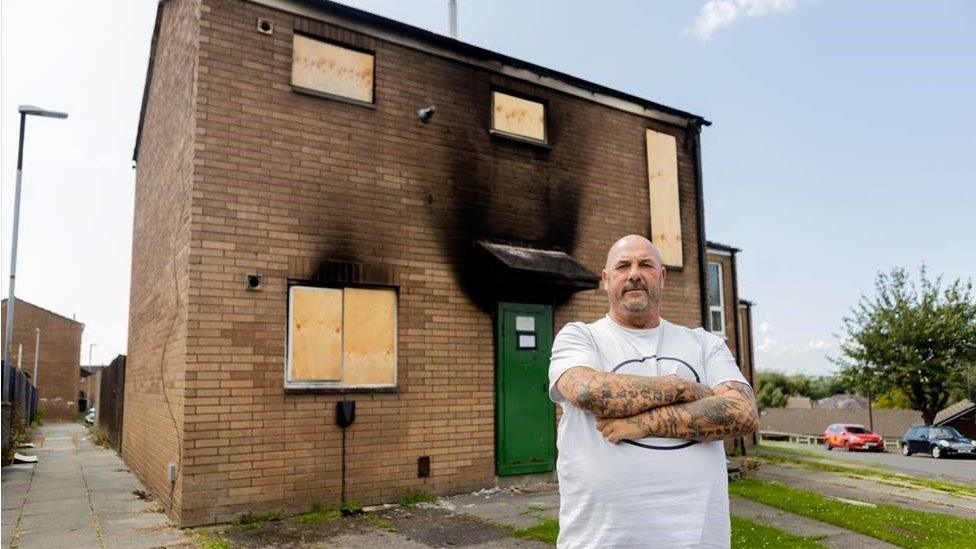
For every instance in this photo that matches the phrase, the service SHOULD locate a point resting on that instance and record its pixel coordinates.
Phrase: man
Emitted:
(645, 404)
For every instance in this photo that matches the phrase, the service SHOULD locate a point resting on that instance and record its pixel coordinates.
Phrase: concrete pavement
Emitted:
(79, 495)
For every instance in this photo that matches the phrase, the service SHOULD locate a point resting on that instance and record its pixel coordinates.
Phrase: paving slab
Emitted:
(79, 495)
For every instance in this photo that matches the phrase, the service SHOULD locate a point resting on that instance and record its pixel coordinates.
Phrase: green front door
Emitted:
(525, 418)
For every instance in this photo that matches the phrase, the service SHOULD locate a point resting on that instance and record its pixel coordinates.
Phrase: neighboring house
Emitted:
(729, 316)
(58, 364)
(843, 402)
(961, 415)
(89, 385)
(303, 236)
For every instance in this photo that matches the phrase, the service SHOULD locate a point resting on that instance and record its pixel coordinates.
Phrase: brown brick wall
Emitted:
(283, 182)
(57, 391)
(155, 369)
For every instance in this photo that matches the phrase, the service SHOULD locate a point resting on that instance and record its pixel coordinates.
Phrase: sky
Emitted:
(841, 142)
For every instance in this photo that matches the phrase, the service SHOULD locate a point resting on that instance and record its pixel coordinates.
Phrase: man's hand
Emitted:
(617, 395)
(730, 413)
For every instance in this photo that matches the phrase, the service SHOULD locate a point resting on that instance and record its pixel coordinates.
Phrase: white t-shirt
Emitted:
(654, 492)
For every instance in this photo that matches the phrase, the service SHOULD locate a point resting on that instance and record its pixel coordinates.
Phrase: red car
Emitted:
(851, 436)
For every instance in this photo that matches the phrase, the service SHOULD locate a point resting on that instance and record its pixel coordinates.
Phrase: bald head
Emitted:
(631, 244)
(634, 281)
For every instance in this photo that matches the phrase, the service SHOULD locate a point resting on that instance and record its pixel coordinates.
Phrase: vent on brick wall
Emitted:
(423, 466)
(265, 26)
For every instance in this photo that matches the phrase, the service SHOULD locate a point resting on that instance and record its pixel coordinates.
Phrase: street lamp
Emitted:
(24, 110)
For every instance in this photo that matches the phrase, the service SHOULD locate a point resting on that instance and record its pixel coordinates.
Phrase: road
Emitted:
(951, 469)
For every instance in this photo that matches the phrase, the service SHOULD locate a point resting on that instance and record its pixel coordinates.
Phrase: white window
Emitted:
(329, 70)
(716, 299)
(518, 117)
(341, 338)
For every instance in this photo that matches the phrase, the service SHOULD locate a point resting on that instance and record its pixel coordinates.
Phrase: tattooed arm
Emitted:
(617, 395)
(730, 413)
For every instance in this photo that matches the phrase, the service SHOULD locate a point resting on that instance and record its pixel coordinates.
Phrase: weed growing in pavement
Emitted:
(212, 540)
(319, 514)
(546, 530)
(351, 508)
(902, 527)
(381, 522)
(255, 521)
(38, 418)
(100, 438)
(414, 498)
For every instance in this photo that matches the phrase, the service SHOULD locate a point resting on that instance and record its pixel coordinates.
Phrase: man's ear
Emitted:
(664, 274)
(603, 279)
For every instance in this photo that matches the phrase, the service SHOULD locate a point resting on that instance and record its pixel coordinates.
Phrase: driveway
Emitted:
(79, 495)
(951, 469)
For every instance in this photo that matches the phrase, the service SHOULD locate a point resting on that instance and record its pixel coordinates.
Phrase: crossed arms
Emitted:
(634, 407)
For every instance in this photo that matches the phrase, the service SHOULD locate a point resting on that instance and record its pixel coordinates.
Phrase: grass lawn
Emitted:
(901, 527)
(746, 534)
(820, 462)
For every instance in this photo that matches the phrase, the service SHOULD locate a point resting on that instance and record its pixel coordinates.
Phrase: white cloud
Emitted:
(716, 14)
(791, 356)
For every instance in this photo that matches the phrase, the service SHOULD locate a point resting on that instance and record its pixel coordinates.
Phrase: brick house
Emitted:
(58, 364)
(729, 316)
(307, 231)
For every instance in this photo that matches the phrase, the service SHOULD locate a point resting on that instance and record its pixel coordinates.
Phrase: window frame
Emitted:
(326, 95)
(501, 134)
(721, 300)
(339, 387)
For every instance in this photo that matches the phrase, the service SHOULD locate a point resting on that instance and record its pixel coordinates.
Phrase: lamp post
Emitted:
(24, 111)
(90, 347)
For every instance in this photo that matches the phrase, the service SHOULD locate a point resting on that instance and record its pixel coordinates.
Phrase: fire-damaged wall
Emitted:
(306, 189)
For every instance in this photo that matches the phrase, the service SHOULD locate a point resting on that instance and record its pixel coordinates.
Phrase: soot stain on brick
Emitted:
(484, 204)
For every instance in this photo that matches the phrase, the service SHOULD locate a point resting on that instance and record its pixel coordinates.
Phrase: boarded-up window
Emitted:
(341, 337)
(324, 68)
(518, 117)
(662, 171)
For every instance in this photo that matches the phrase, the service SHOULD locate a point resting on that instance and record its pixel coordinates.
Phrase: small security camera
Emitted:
(426, 114)
(252, 282)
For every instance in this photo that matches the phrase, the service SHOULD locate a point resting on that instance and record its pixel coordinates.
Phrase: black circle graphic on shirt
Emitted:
(658, 359)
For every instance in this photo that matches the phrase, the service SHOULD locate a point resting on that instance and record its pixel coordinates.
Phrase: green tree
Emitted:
(892, 399)
(772, 389)
(917, 338)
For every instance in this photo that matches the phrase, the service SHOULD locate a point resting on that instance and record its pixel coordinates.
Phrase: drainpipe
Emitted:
(694, 133)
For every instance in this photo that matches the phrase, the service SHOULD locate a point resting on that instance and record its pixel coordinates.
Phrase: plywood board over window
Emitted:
(341, 338)
(325, 68)
(662, 171)
(368, 348)
(315, 334)
(518, 117)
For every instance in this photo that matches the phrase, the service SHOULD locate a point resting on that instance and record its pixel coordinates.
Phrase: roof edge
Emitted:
(3, 302)
(475, 54)
(149, 75)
